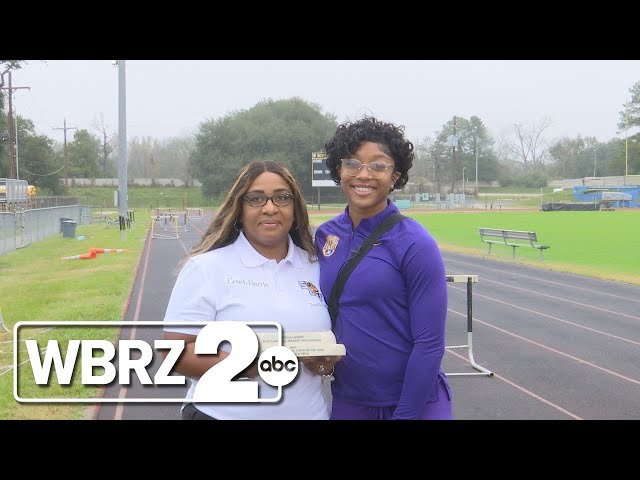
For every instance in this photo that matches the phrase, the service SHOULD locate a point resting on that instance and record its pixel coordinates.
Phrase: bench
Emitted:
(511, 238)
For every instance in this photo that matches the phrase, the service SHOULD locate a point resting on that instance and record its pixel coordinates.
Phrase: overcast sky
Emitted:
(167, 98)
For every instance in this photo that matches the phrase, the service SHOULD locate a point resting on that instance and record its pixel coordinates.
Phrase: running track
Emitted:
(561, 346)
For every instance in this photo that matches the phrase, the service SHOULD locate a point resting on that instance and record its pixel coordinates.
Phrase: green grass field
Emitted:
(146, 197)
(36, 284)
(602, 244)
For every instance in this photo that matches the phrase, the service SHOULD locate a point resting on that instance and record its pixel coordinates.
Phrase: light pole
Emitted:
(452, 141)
(595, 160)
(626, 152)
(463, 169)
(122, 144)
(475, 147)
(433, 169)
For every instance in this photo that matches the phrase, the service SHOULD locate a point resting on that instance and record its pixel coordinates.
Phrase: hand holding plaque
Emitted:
(305, 344)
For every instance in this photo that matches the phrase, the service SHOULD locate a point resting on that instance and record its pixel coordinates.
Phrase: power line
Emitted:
(66, 164)
(42, 174)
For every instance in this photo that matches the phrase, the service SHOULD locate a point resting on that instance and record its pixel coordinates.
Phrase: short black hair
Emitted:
(350, 136)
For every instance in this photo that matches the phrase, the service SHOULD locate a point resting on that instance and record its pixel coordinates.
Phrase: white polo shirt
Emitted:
(237, 283)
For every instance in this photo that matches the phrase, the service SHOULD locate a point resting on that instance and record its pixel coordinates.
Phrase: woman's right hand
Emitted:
(320, 365)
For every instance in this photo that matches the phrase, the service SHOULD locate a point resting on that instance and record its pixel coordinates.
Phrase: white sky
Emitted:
(170, 98)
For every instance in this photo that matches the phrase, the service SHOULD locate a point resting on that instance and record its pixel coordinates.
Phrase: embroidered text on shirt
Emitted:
(247, 283)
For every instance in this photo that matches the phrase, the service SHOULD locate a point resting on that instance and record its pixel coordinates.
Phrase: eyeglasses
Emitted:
(351, 167)
(259, 200)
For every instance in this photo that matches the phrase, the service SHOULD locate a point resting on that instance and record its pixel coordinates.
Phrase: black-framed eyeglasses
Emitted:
(352, 166)
(260, 200)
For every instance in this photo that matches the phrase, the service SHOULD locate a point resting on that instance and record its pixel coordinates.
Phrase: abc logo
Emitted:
(278, 366)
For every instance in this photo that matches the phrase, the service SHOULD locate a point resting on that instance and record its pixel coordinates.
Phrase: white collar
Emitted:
(250, 257)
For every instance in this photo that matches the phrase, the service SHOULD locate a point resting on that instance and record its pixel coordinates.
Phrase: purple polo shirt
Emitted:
(391, 315)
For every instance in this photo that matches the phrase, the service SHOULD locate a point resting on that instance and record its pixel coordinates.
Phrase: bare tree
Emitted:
(109, 140)
(530, 148)
(421, 166)
(142, 157)
(505, 150)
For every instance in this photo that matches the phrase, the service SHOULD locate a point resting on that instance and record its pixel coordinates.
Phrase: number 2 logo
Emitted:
(217, 384)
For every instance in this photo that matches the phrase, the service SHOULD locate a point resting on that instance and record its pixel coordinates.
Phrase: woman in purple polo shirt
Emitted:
(392, 312)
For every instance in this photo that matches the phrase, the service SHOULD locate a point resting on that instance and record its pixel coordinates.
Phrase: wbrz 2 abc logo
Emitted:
(277, 366)
(120, 361)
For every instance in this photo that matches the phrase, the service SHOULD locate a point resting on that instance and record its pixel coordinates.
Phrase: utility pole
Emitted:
(66, 163)
(10, 89)
(17, 151)
(454, 142)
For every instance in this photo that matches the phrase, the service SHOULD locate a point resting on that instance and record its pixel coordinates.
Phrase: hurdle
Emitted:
(158, 218)
(195, 213)
(174, 223)
(469, 280)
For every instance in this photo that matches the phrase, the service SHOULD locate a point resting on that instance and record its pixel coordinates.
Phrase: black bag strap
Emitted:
(351, 264)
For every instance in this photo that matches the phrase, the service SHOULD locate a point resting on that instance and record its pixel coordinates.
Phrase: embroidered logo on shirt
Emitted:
(246, 282)
(330, 245)
(311, 288)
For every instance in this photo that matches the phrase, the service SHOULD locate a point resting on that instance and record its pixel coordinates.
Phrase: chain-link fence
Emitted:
(19, 229)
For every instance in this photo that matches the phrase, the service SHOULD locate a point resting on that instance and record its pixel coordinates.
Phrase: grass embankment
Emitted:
(146, 197)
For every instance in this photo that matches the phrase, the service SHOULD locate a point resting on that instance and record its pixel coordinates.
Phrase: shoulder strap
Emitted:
(352, 262)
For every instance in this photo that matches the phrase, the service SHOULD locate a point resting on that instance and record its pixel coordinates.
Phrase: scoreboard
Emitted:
(320, 175)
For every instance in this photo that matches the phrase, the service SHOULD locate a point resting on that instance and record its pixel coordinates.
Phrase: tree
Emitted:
(422, 166)
(575, 157)
(475, 136)
(11, 64)
(140, 159)
(286, 131)
(172, 158)
(38, 163)
(83, 155)
(109, 140)
(471, 134)
(530, 147)
(169, 158)
(622, 156)
(630, 116)
(612, 157)
(629, 119)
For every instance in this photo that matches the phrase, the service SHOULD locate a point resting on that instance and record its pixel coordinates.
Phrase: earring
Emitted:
(296, 226)
(238, 228)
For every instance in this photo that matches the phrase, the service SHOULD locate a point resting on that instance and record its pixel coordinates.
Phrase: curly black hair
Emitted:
(350, 136)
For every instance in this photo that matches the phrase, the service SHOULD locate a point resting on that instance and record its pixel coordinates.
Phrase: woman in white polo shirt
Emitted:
(255, 263)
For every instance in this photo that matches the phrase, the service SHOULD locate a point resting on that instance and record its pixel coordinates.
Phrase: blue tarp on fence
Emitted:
(586, 194)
